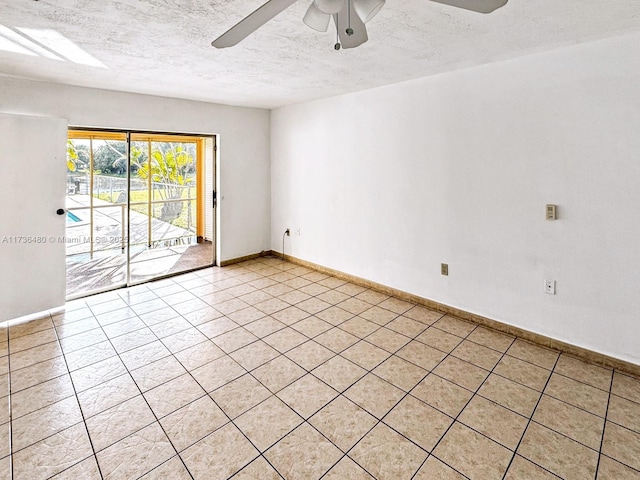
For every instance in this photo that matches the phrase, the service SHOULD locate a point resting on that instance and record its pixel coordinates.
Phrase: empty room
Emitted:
(320, 239)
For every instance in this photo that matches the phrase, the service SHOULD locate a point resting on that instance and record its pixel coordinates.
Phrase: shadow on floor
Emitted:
(109, 268)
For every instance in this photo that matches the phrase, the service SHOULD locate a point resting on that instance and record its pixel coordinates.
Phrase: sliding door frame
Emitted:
(146, 135)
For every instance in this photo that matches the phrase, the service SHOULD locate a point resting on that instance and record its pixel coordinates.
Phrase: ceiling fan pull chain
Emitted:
(349, 30)
(337, 46)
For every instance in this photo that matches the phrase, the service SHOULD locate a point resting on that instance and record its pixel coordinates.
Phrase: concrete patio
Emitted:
(173, 249)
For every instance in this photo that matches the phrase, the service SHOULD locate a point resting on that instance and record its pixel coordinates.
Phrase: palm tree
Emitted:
(169, 169)
(72, 156)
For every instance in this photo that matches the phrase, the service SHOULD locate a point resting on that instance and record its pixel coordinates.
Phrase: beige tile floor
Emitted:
(267, 370)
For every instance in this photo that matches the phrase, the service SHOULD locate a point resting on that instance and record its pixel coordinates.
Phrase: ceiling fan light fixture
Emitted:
(329, 6)
(479, 6)
(316, 18)
(349, 16)
(367, 9)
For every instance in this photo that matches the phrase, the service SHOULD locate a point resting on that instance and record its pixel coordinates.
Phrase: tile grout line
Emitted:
(368, 371)
(455, 419)
(57, 341)
(45, 381)
(231, 421)
(146, 402)
(381, 420)
(261, 454)
(504, 353)
(570, 405)
(226, 354)
(235, 474)
(564, 434)
(208, 394)
(343, 454)
(515, 451)
(535, 365)
(445, 331)
(340, 394)
(62, 430)
(309, 315)
(619, 460)
(564, 402)
(42, 408)
(333, 356)
(633, 402)
(171, 354)
(305, 421)
(84, 421)
(604, 426)
(360, 339)
(11, 462)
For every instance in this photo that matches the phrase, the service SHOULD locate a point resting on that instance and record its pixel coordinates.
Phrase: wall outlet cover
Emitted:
(550, 287)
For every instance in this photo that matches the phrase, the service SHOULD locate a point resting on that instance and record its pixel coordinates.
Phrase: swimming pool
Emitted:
(72, 217)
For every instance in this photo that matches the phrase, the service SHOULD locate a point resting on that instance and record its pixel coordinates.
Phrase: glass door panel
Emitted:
(164, 196)
(96, 205)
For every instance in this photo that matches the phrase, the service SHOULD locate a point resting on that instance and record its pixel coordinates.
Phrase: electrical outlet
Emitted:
(550, 287)
(287, 232)
(444, 269)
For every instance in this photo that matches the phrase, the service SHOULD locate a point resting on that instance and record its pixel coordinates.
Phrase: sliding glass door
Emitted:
(137, 207)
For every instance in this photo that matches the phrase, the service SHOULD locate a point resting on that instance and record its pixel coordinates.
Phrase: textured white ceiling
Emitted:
(162, 47)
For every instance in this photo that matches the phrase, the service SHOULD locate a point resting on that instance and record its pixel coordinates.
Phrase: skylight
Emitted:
(45, 43)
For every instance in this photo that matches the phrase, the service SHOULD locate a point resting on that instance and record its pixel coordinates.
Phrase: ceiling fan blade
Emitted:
(480, 6)
(316, 18)
(344, 21)
(251, 23)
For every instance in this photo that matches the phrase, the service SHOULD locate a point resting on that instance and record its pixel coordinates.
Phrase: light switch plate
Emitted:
(551, 212)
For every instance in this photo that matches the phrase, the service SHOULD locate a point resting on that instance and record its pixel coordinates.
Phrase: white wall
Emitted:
(243, 148)
(388, 183)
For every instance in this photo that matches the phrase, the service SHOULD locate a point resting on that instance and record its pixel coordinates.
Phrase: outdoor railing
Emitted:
(123, 206)
(106, 186)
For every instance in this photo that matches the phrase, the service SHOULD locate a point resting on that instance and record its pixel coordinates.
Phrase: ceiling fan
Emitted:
(349, 17)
